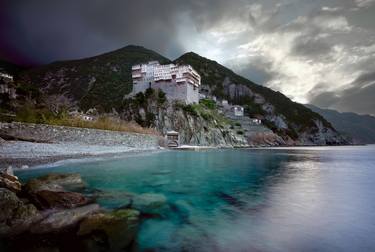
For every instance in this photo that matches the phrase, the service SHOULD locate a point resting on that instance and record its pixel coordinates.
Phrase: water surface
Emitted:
(286, 199)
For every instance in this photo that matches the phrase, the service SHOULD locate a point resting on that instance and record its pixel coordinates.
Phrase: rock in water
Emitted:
(149, 203)
(119, 229)
(60, 220)
(55, 182)
(15, 215)
(9, 171)
(50, 199)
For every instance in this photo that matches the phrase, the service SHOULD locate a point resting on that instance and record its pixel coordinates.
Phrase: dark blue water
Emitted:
(296, 199)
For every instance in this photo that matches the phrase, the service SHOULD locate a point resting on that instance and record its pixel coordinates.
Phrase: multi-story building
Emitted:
(178, 82)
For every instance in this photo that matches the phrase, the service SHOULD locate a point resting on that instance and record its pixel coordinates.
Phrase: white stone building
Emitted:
(238, 110)
(178, 82)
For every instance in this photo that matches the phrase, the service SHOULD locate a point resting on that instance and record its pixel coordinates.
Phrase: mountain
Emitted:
(100, 81)
(10, 68)
(360, 127)
(285, 117)
(103, 81)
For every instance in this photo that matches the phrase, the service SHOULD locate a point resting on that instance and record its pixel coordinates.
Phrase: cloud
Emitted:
(312, 51)
(358, 97)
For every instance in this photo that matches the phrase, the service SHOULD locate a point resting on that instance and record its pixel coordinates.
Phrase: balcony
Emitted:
(136, 67)
(134, 76)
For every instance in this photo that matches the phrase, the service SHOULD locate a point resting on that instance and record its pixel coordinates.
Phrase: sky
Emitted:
(314, 51)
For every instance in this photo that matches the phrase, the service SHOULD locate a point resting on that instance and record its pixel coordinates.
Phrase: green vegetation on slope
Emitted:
(100, 81)
(213, 74)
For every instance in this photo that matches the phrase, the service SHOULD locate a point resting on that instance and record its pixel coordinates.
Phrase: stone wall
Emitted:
(182, 92)
(56, 134)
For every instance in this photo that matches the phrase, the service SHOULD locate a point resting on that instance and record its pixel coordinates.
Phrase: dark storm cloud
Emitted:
(312, 51)
(44, 30)
(310, 47)
(47, 30)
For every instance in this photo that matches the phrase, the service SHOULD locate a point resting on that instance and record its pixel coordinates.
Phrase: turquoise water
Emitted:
(289, 199)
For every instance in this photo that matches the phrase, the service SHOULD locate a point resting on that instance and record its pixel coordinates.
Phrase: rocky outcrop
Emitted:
(60, 220)
(321, 135)
(16, 216)
(55, 182)
(196, 124)
(9, 181)
(119, 229)
(65, 220)
(50, 199)
(196, 130)
(50, 191)
(265, 139)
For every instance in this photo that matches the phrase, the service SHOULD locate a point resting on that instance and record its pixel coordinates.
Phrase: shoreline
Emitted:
(25, 155)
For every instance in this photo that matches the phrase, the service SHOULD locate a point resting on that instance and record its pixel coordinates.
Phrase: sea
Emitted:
(271, 199)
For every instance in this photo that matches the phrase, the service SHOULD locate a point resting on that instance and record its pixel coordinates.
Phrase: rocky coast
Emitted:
(56, 212)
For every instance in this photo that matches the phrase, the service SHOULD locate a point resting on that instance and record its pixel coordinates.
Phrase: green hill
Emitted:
(100, 81)
(103, 81)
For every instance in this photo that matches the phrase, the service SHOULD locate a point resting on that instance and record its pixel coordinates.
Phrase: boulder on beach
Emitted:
(8, 180)
(55, 182)
(15, 215)
(60, 220)
(109, 231)
(51, 199)
(149, 203)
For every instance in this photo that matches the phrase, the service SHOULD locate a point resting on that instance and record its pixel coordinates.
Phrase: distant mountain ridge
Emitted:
(360, 127)
(104, 80)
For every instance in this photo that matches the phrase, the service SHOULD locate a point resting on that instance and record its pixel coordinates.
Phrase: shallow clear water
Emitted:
(289, 199)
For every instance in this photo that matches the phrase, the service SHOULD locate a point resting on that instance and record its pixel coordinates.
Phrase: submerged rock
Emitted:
(55, 182)
(109, 231)
(15, 215)
(62, 219)
(150, 203)
(114, 199)
(50, 199)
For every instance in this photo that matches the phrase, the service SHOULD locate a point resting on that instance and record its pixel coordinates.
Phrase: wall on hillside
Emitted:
(55, 134)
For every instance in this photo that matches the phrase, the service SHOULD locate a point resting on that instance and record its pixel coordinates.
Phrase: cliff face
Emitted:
(196, 124)
(361, 128)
